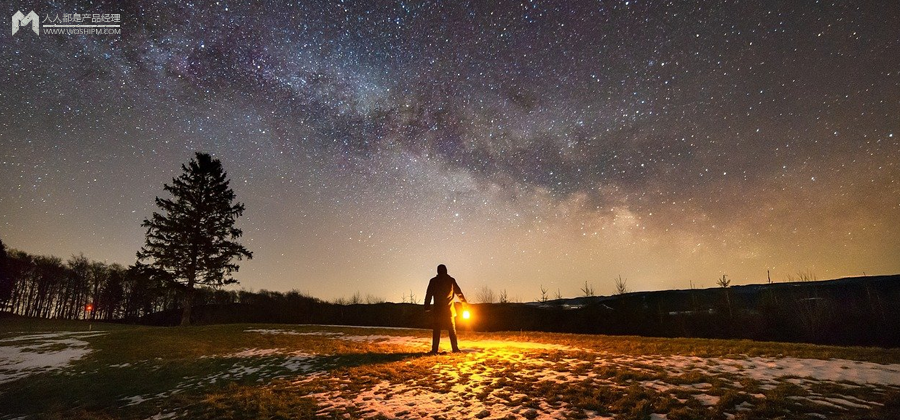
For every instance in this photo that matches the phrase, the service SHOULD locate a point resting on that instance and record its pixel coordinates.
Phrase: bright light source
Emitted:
(466, 315)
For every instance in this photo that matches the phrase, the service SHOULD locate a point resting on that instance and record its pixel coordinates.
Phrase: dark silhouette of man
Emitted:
(443, 288)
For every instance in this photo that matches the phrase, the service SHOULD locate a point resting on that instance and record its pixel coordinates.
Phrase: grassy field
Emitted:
(65, 370)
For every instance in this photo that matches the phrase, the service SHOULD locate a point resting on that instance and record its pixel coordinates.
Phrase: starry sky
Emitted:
(524, 144)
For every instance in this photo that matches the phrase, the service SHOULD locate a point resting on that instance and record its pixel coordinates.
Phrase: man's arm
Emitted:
(458, 292)
(429, 293)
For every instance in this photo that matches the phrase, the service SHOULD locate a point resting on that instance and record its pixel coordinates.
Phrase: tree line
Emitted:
(78, 288)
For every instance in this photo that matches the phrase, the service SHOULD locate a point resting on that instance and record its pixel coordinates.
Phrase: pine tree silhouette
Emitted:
(193, 241)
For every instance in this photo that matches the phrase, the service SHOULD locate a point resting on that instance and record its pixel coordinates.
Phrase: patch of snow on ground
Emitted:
(706, 399)
(51, 335)
(135, 400)
(265, 363)
(658, 386)
(768, 369)
(846, 403)
(302, 363)
(367, 327)
(744, 406)
(824, 370)
(26, 355)
(254, 353)
(162, 416)
(275, 331)
(271, 331)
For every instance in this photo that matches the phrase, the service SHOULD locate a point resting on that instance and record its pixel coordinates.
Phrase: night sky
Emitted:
(522, 144)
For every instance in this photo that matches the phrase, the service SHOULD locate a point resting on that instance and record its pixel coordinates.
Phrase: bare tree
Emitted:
(371, 299)
(621, 288)
(807, 275)
(485, 295)
(558, 295)
(724, 283)
(409, 299)
(504, 298)
(588, 289)
(803, 275)
(694, 297)
(356, 299)
(543, 294)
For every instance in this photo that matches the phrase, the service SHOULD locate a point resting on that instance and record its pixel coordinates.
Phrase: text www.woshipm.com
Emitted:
(83, 31)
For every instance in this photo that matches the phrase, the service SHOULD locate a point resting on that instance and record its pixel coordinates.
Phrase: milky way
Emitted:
(523, 144)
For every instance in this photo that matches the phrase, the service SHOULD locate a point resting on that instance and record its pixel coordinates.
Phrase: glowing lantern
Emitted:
(89, 308)
(466, 314)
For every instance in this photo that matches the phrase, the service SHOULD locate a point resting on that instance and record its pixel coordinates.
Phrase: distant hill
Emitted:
(748, 291)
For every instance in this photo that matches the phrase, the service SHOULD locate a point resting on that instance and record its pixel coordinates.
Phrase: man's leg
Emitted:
(435, 333)
(452, 331)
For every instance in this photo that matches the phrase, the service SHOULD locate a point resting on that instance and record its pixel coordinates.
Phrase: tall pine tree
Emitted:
(192, 242)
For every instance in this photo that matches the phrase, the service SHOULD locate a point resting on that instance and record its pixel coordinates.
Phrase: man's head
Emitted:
(442, 269)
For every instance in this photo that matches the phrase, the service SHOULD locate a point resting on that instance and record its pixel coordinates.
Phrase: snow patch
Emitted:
(770, 370)
(27, 355)
(706, 400)
(254, 353)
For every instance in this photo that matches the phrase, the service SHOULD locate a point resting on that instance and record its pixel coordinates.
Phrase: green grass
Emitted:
(195, 372)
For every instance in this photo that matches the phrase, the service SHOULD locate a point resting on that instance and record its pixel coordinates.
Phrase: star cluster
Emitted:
(524, 144)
